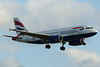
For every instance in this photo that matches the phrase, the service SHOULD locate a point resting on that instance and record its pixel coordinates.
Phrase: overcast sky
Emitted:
(39, 15)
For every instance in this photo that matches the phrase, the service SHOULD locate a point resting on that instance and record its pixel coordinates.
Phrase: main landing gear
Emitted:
(47, 46)
(61, 48)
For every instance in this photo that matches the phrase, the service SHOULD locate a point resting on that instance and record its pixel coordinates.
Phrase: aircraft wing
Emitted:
(38, 35)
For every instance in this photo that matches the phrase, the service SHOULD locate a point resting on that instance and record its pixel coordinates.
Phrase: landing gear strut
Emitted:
(83, 41)
(47, 46)
(62, 47)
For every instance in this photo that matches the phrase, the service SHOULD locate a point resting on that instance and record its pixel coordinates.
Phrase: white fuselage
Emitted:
(77, 31)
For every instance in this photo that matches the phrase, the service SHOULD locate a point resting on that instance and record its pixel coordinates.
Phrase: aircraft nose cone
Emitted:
(95, 31)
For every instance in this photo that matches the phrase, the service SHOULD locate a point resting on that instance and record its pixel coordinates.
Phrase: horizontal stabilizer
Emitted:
(11, 36)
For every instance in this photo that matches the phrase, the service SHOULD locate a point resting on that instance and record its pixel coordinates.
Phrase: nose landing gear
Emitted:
(82, 40)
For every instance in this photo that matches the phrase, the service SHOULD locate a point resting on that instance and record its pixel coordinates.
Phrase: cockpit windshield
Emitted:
(89, 27)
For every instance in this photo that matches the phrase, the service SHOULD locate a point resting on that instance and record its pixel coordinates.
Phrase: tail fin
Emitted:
(19, 25)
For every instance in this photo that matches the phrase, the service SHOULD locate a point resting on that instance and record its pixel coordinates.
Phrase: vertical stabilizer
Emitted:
(19, 25)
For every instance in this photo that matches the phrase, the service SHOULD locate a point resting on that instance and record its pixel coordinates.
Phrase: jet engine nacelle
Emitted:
(76, 42)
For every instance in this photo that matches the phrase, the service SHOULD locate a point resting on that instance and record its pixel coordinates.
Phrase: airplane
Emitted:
(75, 35)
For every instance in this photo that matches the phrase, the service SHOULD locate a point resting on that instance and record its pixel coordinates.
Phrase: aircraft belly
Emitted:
(65, 38)
(77, 36)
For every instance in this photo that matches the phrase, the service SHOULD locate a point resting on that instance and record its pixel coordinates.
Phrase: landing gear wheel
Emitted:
(48, 46)
(84, 43)
(62, 48)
